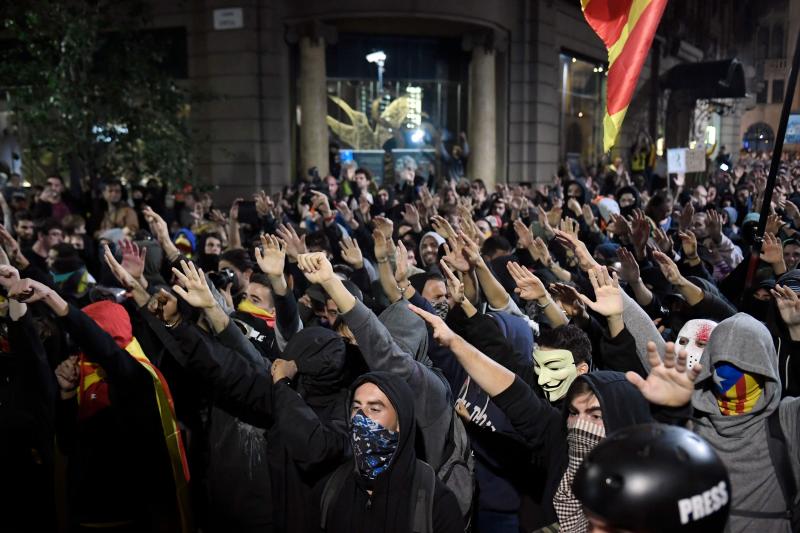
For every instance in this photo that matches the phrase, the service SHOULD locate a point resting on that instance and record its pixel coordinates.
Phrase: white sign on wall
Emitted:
(683, 160)
(676, 160)
(696, 160)
(229, 18)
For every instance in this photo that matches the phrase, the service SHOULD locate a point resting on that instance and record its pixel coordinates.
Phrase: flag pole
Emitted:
(777, 152)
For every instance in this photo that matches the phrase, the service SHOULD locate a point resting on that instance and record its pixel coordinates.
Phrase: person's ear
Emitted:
(583, 368)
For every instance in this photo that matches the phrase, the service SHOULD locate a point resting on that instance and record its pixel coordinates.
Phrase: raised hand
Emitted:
(471, 250)
(316, 267)
(687, 215)
(126, 280)
(688, 244)
(454, 254)
(426, 198)
(158, 226)
(544, 221)
(192, 286)
(233, 214)
(264, 204)
(663, 241)
(351, 253)
(574, 206)
(133, 258)
(668, 268)
(294, 245)
(455, 287)
(606, 289)
(714, 225)
(219, 217)
(788, 305)
(578, 247)
(629, 267)
(411, 217)
(8, 276)
(385, 226)
(401, 263)
(524, 235)
(347, 214)
(570, 226)
(441, 226)
(620, 226)
(441, 332)
(774, 224)
(569, 298)
(11, 245)
(588, 215)
(529, 286)
(669, 383)
(271, 256)
(772, 251)
(364, 207)
(321, 203)
(640, 233)
(381, 246)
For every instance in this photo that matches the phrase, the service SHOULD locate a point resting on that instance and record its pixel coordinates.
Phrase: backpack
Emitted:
(781, 461)
(457, 470)
(423, 485)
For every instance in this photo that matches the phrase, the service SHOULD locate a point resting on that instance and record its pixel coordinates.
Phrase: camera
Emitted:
(222, 278)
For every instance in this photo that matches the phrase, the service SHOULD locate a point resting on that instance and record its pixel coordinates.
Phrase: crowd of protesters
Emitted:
(427, 356)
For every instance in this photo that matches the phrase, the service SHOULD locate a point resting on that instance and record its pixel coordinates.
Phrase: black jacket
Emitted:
(119, 468)
(27, 399)
(389, 508)
(544, 427)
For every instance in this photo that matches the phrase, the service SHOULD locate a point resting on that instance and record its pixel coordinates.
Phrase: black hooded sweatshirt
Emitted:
(544, 427)
(389, 508)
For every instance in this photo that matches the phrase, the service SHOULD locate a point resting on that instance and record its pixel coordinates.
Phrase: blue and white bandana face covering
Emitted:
(373, 445)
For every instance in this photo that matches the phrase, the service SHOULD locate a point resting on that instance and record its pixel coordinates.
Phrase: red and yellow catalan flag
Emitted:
(627, 28)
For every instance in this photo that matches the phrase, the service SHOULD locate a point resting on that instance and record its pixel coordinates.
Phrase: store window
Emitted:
(777, 91)
(421, 98)
(583, 89)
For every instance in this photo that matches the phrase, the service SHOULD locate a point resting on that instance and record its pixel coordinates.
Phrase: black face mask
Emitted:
(208, 262)
(627, 211)
(759, 309)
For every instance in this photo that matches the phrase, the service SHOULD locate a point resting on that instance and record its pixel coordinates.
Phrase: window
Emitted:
(777, 48)
(761, 95)
(583, 89)
(762, 43)
(777, 91)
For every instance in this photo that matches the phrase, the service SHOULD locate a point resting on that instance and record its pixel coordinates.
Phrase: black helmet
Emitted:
(652, 478)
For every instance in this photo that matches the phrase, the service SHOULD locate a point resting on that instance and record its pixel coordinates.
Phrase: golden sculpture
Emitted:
(359, 134)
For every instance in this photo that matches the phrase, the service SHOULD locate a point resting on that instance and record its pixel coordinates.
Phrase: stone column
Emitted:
(313, 106)
(482, 163)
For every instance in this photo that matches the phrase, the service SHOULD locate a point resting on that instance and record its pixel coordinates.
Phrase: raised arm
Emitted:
(490, 376)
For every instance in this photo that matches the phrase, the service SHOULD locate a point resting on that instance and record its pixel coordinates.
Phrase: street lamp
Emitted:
(379, 58)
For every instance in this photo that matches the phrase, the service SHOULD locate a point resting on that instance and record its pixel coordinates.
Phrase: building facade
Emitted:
(524, 79)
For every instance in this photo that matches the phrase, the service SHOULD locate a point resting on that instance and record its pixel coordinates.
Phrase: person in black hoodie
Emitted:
(596, 404)
(376, 494)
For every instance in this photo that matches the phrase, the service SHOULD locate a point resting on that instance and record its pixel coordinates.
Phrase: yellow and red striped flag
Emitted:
(627, 28)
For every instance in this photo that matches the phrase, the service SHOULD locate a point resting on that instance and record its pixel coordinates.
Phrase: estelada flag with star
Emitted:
(627, 28)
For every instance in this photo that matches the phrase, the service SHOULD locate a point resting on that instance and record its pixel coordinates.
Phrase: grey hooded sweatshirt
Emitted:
(740, 440)
(398, 343)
